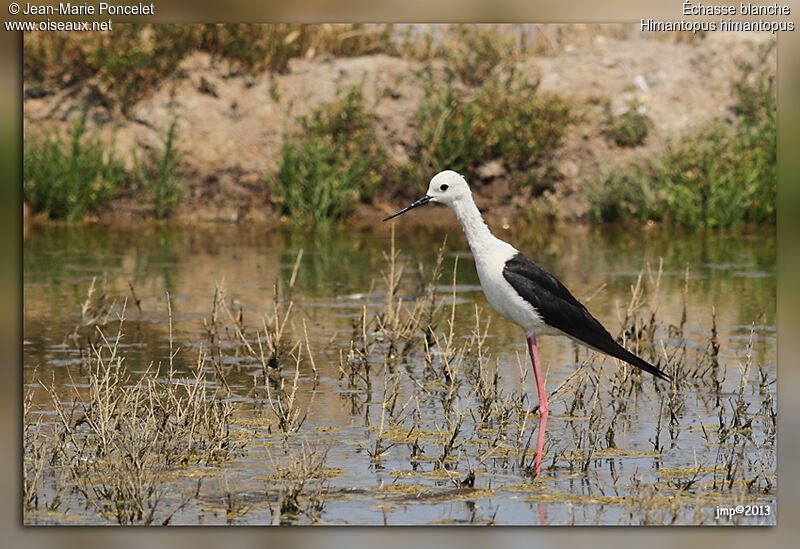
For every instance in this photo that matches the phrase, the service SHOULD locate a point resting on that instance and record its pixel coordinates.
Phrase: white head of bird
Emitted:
(451, 189)
(447, 187)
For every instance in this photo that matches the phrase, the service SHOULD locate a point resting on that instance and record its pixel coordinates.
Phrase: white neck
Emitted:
(478, 234)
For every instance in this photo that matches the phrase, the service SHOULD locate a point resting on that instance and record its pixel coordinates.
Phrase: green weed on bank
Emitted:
(721, 175)
(130, 62)
(507, 119)
(67, 179)
(718, 176)
(336, 163)
(156, 176)
(630, 128)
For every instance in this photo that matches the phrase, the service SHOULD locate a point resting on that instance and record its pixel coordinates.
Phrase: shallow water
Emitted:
(730, 273)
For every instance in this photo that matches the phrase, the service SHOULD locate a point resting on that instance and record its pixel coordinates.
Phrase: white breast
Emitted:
(491, 255)
(489, 263)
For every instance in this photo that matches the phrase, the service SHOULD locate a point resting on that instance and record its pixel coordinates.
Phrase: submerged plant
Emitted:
(444, 422)
(120, 447)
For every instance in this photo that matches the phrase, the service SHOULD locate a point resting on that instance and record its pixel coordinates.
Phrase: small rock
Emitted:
(207, 87)
(570, 169)
(491, 169)
(250, 179)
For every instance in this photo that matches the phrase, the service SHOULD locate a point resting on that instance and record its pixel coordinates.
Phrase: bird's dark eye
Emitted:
(443, 187)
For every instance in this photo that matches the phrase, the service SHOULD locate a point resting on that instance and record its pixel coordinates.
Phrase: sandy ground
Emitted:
(231, 126)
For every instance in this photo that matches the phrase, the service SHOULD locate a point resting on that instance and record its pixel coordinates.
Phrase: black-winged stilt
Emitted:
(523, 292)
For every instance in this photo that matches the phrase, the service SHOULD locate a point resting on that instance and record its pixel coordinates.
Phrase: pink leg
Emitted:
(544, 409)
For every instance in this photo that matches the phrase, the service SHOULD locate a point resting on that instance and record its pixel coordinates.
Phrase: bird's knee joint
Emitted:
(544, 410)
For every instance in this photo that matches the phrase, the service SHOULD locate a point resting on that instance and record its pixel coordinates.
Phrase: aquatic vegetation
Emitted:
(300, 485)
(410, 404)
(122, 436)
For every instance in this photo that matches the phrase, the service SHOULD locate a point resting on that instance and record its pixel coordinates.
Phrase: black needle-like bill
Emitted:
(416, 204)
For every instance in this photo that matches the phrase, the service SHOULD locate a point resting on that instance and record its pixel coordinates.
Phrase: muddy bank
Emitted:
(231, 125)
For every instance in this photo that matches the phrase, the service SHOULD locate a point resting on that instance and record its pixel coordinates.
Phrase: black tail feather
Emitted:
(618, 351)
(559, 309)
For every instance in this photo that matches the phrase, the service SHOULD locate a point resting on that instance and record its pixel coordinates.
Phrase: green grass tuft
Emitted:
(335, 164)
(506, 119)
(630, 128)
(524, 127)
(156, 177)
(721, 175)
(67, 179)
(446, 137)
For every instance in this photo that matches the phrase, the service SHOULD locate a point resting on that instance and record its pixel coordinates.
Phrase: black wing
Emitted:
(559, 308)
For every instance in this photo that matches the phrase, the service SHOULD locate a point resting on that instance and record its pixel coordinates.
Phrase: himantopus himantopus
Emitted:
(523, 292)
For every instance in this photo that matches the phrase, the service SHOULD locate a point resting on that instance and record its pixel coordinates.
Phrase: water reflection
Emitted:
(731, 272)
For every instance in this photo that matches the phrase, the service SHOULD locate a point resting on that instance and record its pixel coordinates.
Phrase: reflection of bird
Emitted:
(523, 292)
